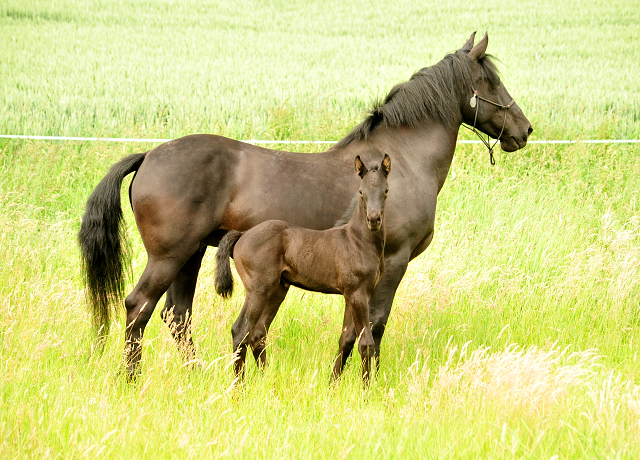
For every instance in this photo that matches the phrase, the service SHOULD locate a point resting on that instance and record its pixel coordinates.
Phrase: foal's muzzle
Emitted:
(374, 221)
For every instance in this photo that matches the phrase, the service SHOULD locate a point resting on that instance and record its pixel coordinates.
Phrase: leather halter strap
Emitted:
(487, 142)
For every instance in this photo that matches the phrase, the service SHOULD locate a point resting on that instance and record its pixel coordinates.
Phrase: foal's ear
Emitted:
(386, 165)
(477, 52)
(361, 169)
(467, 46)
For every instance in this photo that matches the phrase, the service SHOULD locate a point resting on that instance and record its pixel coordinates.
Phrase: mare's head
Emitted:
(373, 190)
(464, 87)
(485, 103)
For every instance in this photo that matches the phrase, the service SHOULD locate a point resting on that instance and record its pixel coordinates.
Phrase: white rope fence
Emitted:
(266, 142)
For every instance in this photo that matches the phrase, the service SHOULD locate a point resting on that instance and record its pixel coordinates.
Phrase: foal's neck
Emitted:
(358, 225)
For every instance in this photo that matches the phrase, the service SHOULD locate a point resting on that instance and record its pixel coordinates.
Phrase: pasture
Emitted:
(515, 335)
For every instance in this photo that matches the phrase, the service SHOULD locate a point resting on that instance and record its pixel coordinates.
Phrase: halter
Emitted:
(474, 103)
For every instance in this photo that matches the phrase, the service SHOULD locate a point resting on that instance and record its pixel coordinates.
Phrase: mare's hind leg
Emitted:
(178, 308)
(258, 334)
(156, 278)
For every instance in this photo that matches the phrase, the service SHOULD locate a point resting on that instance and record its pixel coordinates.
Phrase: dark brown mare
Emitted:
(274, 255)
(188, 193)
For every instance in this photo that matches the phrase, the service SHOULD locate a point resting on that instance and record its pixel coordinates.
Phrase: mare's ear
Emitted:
(467, 46)
(477, 52)
(361, 169)
(386, 165)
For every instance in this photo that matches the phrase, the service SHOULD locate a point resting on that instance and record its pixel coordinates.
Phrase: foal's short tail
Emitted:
(104, 254)
(224, 277)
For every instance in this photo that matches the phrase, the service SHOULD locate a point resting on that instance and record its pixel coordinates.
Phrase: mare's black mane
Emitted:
(432, 92)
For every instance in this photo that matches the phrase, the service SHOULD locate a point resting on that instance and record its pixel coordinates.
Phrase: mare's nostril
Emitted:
(530, 130)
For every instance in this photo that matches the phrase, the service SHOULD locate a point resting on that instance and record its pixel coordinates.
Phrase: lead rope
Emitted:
(487, 143)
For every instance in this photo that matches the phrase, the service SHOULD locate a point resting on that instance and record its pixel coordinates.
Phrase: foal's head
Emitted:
(373, 190)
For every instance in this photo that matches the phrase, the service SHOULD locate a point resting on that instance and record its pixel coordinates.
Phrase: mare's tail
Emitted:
(224, 277)
(104, 254)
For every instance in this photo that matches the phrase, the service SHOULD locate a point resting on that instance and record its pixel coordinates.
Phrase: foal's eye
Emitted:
(386, 192)
(360, 192)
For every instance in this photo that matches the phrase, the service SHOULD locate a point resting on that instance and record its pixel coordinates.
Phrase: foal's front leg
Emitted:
(345, 344)
(379, 309)
(358, 303)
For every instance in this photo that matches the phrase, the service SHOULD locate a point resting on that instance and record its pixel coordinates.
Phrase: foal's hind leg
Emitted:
(258, 334)
(156, 278)
(178, 308)
(251, 327)
(240, 334)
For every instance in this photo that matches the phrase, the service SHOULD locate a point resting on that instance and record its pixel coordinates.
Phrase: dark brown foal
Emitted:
(273, 255)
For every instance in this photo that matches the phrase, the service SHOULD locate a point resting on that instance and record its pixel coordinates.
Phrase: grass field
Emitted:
(515, 335)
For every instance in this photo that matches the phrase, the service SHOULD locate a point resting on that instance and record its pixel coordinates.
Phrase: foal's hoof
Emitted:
(132, 375)
(334, 379)
(194, 364)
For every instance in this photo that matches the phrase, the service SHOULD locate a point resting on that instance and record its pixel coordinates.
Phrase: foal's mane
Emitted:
(432, 92)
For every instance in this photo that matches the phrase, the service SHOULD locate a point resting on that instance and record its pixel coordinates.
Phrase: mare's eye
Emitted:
(386, 192)
(360, 192)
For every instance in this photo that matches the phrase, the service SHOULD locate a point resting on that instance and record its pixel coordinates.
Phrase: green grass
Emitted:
(282, 70)
(516, 334)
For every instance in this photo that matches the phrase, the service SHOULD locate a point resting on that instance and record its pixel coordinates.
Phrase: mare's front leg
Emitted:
(382, 298)
(178, 308)
(358, 303)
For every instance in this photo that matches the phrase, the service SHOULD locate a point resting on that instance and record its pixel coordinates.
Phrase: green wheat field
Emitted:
(515, 335)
